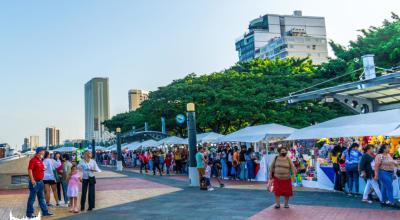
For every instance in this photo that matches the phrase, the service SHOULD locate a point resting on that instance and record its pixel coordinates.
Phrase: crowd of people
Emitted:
(231, 162)
(373, 163)
(58, 174)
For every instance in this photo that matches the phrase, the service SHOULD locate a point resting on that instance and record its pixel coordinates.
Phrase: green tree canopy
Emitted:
(241, 95)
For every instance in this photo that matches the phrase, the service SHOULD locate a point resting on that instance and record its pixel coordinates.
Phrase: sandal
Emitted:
(277, 206)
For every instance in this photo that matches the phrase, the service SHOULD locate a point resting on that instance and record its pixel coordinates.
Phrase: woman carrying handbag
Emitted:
(88, 166)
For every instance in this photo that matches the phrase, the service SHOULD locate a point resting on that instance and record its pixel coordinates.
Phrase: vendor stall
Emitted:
(362, 128)
(260, 135)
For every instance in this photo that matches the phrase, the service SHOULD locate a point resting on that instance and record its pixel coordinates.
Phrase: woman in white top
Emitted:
(88, 166)
(49, 179)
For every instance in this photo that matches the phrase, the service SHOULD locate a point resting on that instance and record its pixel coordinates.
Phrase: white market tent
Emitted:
(209, 137)
(133, 146)
(372, 124)
(112, 147)
(65, 149)
(149, 143)
(258, 133)
(99, 148)
(172, 140)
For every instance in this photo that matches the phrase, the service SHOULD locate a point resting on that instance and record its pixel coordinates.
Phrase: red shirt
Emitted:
(37, 167)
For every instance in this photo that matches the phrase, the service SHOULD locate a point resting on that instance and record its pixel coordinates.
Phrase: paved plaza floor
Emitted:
(130, 195)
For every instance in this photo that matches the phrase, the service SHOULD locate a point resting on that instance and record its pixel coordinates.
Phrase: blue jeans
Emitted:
(386, 179)
(250, 169)
(36, 191)
(65, 190)
(352, 177)
(243, 171)
(224, 168)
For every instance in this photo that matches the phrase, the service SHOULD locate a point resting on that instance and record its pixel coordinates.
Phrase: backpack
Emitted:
(203, 183)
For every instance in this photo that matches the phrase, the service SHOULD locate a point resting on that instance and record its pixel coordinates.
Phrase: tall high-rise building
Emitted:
(96, 108)
(34, 141)
(52, 136)
(281, 36)
(136, 97)
(26, 145)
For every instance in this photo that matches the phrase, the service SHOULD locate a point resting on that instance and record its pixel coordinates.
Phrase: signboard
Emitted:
(180, 119)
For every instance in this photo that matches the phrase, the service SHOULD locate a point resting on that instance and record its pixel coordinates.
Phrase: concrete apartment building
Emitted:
(34, 141)
(97, 108)
(136, 97)
(280, 36)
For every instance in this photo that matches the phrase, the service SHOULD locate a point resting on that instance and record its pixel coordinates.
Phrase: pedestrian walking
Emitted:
(334, 156)
(73, 188)
(58, 175)
(280, 175)
(36, 186)
(65, 176)
(384, 172)
(88, 167)
(200, 161)
(49, 180)
(352, 157)
(367, 173)
(156, 163)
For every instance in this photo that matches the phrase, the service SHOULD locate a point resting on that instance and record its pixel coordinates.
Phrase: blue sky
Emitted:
(49, 49)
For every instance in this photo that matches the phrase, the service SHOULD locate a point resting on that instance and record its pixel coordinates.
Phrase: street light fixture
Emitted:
(119, 153)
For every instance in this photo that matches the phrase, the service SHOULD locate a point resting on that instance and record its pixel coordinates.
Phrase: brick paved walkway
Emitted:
(111, 189)
(130, 195)
(302, 212)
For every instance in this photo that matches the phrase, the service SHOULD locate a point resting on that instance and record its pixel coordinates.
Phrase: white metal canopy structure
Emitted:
(364, 96)
(258, 133)
(372, 124)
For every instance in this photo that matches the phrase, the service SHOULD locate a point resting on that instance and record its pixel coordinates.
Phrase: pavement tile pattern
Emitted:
(130, 195)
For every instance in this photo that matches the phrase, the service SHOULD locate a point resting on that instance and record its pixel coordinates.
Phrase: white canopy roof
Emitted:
(65, 149)
(100, 148)
(210, 137)
(372, 124)
(112, 147)
(133, 145)
(258, 133)
(149, 143)
(172, 140)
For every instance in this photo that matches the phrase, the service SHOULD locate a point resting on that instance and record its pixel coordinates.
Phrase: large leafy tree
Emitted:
(241, 95)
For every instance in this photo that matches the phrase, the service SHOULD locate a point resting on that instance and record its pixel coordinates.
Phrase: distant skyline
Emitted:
(50, 49)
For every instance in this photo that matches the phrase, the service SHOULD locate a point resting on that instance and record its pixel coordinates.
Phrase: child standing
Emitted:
(207, 175)
(73, 188)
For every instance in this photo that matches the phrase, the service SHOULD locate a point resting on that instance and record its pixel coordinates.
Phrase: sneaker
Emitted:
(210, 189)
(367, 201)
(48, 214)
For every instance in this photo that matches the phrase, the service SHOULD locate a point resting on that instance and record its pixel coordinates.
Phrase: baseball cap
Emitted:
(39, 149)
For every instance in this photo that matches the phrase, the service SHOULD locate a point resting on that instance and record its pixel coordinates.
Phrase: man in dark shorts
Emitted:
(36, 185)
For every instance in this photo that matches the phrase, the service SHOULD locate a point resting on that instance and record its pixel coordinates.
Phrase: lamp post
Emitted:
(191, 123)
(94, 149)
(119, 153)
